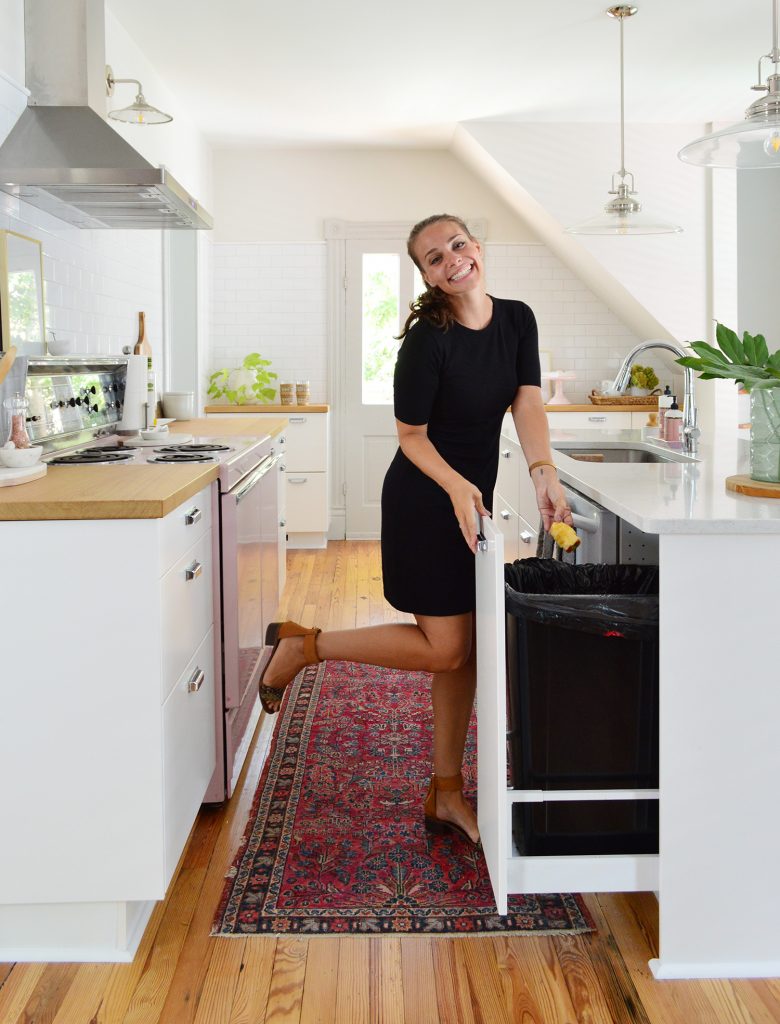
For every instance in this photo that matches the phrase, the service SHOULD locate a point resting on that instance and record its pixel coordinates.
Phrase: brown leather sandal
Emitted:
(271, 696)
(448, 783)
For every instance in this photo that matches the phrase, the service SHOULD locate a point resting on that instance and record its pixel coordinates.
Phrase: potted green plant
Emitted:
(643, 380)
(749, 363)
(249, 383)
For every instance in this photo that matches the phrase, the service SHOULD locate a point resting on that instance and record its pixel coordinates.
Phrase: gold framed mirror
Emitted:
(21, 294)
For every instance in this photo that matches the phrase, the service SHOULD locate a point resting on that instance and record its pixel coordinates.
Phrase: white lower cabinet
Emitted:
(520, 537)
(307, 502)
(595, 420)
(109, 740)
(509, 871)
(188, 749)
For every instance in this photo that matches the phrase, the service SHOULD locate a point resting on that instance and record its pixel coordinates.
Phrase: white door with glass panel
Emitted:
(381, 281)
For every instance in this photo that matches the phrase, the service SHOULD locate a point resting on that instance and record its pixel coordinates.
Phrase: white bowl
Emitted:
(17, 458)
(60, 347)
(153, 433)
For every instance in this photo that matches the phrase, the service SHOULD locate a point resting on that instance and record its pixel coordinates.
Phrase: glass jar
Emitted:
(16, 413)
(765, 434)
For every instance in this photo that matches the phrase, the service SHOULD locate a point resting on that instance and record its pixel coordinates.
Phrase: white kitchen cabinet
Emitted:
(520, 537)
(110, 742)
(514, 481)
(307, 470)
(509, 871)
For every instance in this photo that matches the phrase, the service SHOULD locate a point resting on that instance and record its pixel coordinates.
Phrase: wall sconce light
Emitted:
(139, 112)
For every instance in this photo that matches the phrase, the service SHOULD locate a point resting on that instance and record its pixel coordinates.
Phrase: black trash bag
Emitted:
(588, 598)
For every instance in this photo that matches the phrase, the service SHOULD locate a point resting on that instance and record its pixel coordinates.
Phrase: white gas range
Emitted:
(76, 413)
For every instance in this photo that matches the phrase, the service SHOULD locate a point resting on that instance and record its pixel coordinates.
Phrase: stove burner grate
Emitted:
(92, 457)
(194, 448)
(113, 448)
(180, 456)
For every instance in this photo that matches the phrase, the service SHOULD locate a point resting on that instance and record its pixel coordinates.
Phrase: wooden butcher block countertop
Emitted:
(285, 410)
(148, 491)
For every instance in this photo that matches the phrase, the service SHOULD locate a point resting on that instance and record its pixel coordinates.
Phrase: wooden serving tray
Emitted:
(744, 484)
(22, 474)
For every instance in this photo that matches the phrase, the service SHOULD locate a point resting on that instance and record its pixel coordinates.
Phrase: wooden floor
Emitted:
(180, 974)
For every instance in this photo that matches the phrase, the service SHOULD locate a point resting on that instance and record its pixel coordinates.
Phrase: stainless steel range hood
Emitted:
(62, 155)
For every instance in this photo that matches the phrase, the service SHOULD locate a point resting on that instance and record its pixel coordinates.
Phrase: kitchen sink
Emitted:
(623, 453)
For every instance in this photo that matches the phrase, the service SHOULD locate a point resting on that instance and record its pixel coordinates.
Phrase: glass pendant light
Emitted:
(139, 112)
(753, 144)
(623, 215)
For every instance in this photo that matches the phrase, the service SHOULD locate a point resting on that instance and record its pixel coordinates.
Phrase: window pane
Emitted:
(417, 282)
(381, 288)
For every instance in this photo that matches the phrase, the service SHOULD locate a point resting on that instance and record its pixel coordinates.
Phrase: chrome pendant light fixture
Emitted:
(752, 144)
(623, 215)
(139, 112)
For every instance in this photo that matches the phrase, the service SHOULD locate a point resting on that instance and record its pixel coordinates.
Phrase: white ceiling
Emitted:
(404, 73)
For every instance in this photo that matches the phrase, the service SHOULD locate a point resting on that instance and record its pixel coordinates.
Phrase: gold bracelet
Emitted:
(541, 462)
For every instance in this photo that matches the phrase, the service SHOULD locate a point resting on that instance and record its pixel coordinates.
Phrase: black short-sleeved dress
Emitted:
(460, 382)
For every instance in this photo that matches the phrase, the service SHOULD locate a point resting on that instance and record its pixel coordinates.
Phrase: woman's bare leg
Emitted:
(452, 696)
(438, 643)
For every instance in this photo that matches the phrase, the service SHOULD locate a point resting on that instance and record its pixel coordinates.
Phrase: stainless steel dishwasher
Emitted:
(605, 537)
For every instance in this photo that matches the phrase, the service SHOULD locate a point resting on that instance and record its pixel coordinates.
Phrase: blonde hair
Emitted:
(433, 305)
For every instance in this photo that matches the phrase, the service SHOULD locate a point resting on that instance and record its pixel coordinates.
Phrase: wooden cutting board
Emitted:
(743, 484)
(9, 477)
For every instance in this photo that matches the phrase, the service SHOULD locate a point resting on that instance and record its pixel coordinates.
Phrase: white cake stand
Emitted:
(559, 378)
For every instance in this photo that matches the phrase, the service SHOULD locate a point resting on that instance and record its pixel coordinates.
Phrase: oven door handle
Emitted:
(257, 474)
(585, 523)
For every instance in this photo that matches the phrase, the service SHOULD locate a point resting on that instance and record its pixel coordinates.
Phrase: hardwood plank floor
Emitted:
(183, 976)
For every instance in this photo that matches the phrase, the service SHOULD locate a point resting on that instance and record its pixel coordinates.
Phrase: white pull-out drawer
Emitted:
(509, 872)
(307, 502)
(187, 609)
(519, 536)
(189, 750)
(510, 463)
(306, 442)
(181, 528)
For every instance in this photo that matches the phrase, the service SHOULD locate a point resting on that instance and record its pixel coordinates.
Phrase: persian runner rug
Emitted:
(336, 842)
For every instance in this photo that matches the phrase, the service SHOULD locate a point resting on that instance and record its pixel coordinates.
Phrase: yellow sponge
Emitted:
(564, 536)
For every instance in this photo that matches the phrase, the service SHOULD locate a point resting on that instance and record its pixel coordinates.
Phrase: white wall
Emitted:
(178, 145)
(284, 195)
(567, 168)
(272, 298)
(12, 39)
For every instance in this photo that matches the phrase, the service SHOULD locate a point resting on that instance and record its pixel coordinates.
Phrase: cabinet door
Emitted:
(307, 502)
(189, 749)
(491, 717)
(507, 523)
(187, 609)
(307, 442)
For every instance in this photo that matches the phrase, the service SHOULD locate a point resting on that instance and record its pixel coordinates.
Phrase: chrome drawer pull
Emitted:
(597, 419)
(194, 571)
(297, 479)
(506, 453)
(297, 419)
(282, 522)
(195, 681)
(504, 514)
(193, 516)
(526, 537)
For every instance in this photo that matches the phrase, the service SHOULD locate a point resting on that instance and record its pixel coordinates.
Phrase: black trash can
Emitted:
(582, 691)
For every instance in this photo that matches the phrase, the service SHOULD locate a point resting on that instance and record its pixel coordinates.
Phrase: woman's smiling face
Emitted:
(448, 258)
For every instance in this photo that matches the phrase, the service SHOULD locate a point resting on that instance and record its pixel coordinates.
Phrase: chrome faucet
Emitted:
(690, 430)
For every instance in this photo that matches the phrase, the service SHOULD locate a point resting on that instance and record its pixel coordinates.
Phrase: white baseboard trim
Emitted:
(338, 525)
(666, 971)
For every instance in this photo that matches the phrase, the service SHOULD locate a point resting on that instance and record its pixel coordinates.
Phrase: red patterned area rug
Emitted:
(335, 841)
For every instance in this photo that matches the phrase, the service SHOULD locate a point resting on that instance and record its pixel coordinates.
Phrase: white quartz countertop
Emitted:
(669, 497)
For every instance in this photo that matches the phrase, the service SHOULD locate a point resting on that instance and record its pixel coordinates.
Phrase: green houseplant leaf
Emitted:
(748, 361)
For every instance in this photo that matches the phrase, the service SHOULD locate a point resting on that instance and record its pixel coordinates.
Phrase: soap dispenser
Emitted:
(673, 423)
(664, 405)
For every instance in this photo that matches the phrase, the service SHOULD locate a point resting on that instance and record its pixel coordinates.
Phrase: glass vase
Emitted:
(765, 435)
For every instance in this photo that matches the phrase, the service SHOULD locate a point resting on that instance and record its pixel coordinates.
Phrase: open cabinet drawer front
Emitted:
(491, 711)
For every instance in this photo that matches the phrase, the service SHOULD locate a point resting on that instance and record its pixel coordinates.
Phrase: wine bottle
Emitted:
(142, 346)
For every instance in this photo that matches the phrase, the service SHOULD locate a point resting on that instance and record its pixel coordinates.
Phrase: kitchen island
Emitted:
(719, 553)
(111, 671)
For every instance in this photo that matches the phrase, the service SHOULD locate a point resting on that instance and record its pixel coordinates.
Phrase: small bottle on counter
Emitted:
(664, 405)
(16, 410)
(151, 395)
(673, 423)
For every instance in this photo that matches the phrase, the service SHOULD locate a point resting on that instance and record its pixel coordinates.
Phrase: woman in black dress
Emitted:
(466, 358)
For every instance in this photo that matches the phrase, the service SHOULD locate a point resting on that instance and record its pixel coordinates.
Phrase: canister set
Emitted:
(294, 394)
